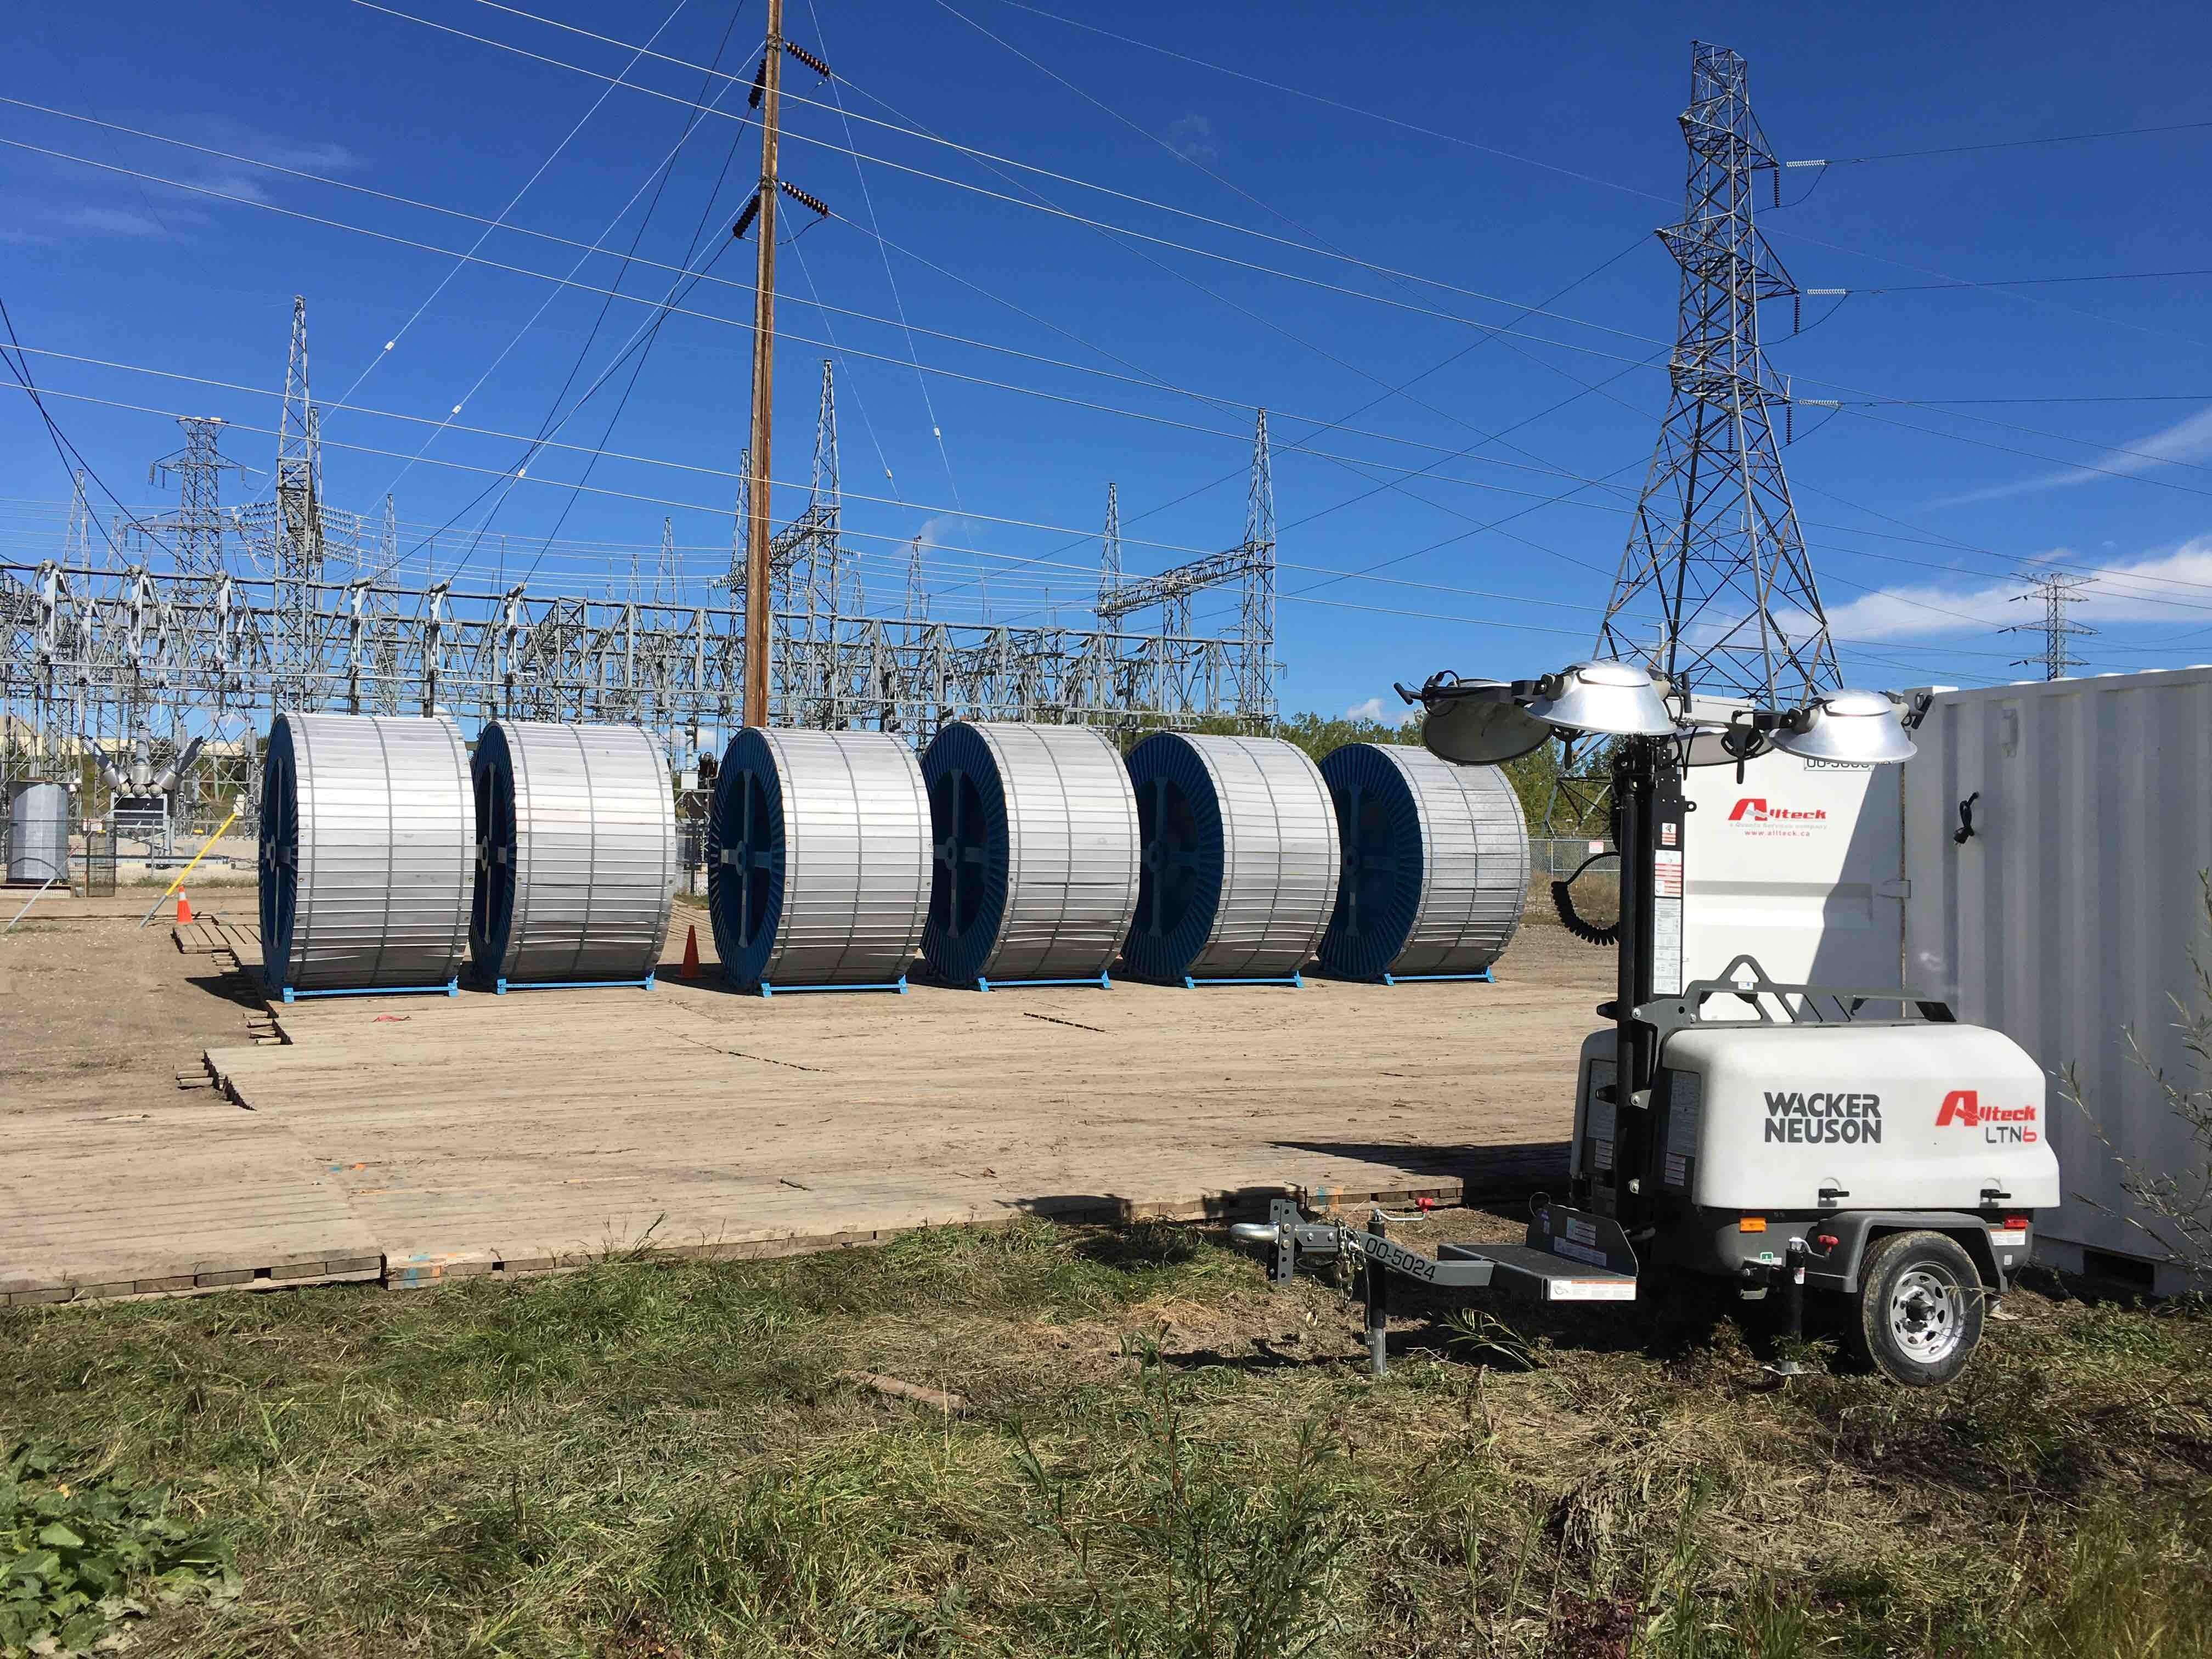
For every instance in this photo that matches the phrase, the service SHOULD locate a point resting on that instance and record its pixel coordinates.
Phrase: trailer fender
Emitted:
(1855, 1231)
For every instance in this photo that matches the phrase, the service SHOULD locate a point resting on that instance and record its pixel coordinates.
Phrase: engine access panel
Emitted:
(1866, 1116)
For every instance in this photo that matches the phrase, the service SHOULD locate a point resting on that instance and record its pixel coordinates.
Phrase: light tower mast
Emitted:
(1714, 590)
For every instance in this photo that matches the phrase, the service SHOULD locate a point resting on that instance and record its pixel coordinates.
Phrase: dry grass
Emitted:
(1161, 1458)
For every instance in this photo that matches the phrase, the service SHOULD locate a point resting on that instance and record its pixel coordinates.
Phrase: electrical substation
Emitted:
(542, 870)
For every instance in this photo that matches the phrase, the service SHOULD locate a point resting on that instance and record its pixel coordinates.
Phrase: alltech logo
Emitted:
(2000, 1125)
(1761, 816)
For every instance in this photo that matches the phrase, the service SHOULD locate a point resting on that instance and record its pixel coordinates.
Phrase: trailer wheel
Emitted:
(1920, 1307)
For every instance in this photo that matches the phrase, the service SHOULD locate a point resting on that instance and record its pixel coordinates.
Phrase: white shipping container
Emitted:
(2068, 919)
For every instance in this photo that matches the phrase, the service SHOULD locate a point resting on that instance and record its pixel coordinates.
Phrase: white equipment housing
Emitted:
(1797, 866)
(1893, 1117)
(1876, 1116)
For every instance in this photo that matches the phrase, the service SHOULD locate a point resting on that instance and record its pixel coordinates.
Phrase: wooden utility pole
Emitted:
(756, 551)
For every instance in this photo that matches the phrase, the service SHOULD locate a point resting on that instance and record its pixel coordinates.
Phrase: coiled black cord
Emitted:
(1562, 901)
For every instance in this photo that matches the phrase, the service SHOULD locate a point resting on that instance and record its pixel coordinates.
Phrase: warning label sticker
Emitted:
(1667, 946)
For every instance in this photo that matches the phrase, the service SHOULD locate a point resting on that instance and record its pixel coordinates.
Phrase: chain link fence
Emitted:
(691, 856)
(97, 864)
(1553, 857)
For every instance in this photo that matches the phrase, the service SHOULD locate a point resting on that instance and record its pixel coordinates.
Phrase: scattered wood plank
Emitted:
(951, 1405)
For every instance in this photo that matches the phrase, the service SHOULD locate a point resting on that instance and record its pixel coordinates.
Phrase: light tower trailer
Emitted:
(1858, 1144)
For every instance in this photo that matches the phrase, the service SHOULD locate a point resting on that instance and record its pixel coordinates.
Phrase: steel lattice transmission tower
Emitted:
(299, 525)
(76, 547)
(667, 578)
(1109, 551)
(2057, 590)
(824, 519)
(1715, 589)
(194, 532)
(299, 463)
(1255, 691)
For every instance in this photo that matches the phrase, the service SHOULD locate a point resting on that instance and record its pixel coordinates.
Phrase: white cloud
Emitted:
(934, 527)
(110, 222)
(2186, 440)
(224, 132)
(153, 210)
(1191, 136)
(1369, 710)
(240, 187)
(2126, 592)
(308, 158)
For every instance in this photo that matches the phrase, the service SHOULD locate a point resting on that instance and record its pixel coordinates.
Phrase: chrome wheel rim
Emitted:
(1927, 1313)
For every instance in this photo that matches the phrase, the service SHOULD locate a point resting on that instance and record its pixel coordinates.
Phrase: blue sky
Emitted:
(1526, 151)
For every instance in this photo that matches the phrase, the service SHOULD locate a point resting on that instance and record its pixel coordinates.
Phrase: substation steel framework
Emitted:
(288, 604)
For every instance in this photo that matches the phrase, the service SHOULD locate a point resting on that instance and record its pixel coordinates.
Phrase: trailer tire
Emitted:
(1920, 1307)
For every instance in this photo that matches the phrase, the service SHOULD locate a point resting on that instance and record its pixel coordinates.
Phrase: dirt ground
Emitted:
(94, 1008)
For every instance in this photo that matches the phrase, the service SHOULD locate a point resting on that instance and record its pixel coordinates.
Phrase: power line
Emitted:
(65, 449)
(1388, 391)
(691, 119)
(1049, 397)
(1488, 329)
(2002, 143)
(2015, 281)
(515, 201)
(2029, 454)
(1333, 103)
(1038, 207)
(2092, 397)
(662, 172)
(914, 130)
(898, 300)
(2035, 431)
(1491, 331)
(1548, 167)
(1077, 535)
(1400, 390)
(656, 500)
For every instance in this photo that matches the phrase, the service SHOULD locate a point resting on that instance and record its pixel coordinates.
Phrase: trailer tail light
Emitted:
(1751, 1224)
(2015, 1223)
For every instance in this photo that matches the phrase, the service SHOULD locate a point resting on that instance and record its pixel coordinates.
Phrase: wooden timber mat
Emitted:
(416, 1138)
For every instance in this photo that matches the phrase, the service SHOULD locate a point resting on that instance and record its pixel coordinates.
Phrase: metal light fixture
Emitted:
(1863, 728)
(1604, 699)
(1478, 723)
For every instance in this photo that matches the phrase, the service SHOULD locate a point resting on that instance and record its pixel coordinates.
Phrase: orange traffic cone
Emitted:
(690, 969)
(184, 911)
